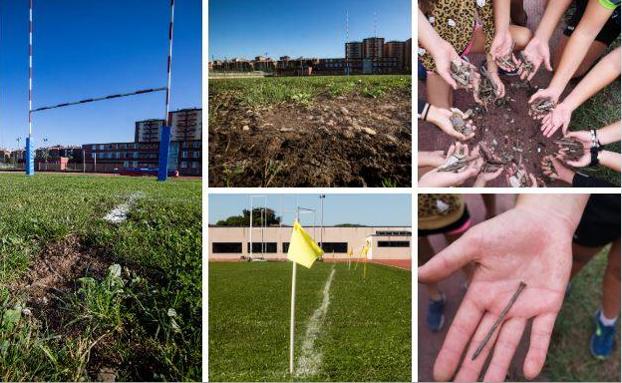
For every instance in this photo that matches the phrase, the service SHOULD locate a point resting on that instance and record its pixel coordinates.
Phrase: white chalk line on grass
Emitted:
(310, 359)
(119, 213)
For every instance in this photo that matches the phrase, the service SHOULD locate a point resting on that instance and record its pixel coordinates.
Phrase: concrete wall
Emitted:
(354, 236)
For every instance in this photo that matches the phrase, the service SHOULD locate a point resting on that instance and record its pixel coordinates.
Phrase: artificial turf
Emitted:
(366, 334)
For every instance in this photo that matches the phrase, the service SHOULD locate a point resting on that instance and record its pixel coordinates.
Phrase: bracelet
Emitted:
(595, 142)
(594, 154)
(426, 109)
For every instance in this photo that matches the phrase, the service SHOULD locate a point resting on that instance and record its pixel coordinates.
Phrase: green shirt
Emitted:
(610, 4)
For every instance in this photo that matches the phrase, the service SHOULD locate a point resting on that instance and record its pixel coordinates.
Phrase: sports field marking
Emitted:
(119, 213)
(310, 360)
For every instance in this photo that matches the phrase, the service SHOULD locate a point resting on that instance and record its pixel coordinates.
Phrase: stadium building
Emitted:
(389, 244)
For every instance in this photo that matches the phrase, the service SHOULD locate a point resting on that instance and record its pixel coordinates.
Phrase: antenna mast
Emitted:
(347, 41)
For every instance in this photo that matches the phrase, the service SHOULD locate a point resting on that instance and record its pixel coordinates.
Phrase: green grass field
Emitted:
(138, 322)
(569, 358)
(303, 90)
(366, 334)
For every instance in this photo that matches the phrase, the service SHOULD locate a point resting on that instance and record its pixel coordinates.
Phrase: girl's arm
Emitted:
(611, 160)
(610, 133)
(552, 14)
(593, 19)
(601, 75)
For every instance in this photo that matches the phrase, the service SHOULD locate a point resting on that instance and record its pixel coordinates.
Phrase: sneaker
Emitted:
(435, 317)
(603, 340)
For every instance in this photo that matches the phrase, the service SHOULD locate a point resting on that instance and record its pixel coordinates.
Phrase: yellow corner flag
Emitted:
(302, 248)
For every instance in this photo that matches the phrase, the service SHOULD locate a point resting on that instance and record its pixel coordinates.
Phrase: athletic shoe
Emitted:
(435, 317)
(603, 340)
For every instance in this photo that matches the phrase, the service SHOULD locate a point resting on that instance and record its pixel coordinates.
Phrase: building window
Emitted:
(135, 155)
(93, 147)
(195, 164)
(227, 247)
(268, 247)
(196, 154)
(184, 164)
(394, 233)
(184, 154)
(101, 147)
(337, 247)
(393, 243)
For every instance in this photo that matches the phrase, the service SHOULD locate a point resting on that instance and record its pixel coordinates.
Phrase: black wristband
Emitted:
(594, 153)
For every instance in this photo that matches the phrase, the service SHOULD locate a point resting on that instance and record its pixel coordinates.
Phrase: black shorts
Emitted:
(449, 228)
(583, 181)
(609, 32)
(600, 223)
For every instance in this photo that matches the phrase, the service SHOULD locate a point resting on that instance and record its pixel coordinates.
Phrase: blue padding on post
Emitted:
(165, 140)
(29, 163)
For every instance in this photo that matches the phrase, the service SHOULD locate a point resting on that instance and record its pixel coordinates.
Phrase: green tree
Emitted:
(244, 220)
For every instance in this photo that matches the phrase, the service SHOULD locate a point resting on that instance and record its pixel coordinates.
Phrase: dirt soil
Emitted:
(507, 130)
(341, 141)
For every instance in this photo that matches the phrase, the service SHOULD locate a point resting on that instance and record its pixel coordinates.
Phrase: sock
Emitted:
(606, 321)
(439, 298)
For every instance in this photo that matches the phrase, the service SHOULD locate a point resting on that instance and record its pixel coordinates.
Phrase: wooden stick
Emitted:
(500, 319)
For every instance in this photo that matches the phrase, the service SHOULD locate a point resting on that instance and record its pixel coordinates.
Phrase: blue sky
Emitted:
(84, 49)
(363, 209)
(316, 28)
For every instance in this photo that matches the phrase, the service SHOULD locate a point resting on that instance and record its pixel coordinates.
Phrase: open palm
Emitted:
(520, 245)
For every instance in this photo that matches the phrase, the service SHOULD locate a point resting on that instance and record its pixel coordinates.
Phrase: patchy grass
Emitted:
(303, 90)
(126, 302)
(569, 358)
(365, 335)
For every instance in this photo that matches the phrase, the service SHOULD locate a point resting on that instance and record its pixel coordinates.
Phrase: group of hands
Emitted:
(437, 177)
(537, 53)
(531, 243)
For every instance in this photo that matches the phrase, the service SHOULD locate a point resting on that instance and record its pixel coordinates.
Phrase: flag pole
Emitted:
(292, 322)
(292, 319)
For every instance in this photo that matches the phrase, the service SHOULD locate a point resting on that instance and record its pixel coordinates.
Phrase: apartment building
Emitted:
(186, 124)
(148, 130)
(373, 47)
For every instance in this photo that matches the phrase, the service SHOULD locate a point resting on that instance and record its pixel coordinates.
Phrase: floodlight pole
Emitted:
(262, 222)
(165, 136)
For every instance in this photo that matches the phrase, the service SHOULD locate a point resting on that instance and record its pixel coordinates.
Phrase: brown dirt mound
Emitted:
(56, 269)
(341, 141)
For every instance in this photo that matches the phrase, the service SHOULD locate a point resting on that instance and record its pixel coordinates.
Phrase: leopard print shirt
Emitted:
(454, 21)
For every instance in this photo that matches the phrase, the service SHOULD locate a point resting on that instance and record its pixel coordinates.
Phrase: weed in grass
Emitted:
(146, 326)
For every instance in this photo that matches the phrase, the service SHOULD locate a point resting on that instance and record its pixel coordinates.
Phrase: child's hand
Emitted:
(537, 51)
(494, 76)
(584, 161)
(441, 118)
(434, 159)
(436, 178)
(560, 116)
(483, 178)
(582, 136)
(502, 45)
(443, 55)
(549, 92)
